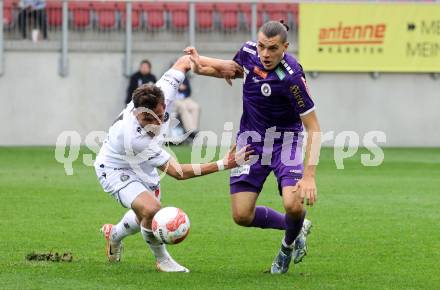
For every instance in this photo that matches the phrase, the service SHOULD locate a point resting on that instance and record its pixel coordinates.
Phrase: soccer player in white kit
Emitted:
(127, 164)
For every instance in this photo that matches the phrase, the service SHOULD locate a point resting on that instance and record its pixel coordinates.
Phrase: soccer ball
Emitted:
(170, 225)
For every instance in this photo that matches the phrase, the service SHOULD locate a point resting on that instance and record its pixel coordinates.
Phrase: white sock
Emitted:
(127, 226)
(157, 248)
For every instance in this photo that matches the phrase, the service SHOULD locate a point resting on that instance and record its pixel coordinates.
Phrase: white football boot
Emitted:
(113, 250)
(169, 265)
(300, 245)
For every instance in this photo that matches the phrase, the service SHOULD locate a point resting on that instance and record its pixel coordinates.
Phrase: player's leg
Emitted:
(295, 214)
(114, 234)
(288, 173)
(146, 205)
(119, 184)
(243, 207)
(245, 213)
(294, 219)
(246, 183)
(297, 227)
(128, 225)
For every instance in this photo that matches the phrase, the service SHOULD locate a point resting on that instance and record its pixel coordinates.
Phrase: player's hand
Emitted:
(231, 70)
(194, 58)
(307, 189)
(235, 158)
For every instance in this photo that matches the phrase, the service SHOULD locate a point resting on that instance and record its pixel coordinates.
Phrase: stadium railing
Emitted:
(124, 26)
(79, 25)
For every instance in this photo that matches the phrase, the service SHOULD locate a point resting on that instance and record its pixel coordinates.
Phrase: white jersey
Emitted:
(128, 146)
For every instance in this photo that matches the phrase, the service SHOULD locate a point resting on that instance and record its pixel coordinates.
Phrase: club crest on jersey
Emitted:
(259, 72)
(266, 90)
(124, 177)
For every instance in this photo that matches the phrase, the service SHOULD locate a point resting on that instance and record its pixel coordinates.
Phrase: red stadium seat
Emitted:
(80, 14)
(155, 15)
(105, 13)
(7, 14)
(246, 9)
(228, 15)
(204, 15)
(136, 13)
(54, 10)
(179, 15)
(277, 11)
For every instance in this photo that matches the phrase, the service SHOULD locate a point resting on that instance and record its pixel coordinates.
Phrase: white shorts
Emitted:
(124, 185)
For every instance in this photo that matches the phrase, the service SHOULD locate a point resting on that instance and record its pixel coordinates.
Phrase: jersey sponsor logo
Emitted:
(166, 117)
(266, 90)
(281, 75)
(296, 92)
(248, 50)
(259, 72)
(251, 43)
(243, 169)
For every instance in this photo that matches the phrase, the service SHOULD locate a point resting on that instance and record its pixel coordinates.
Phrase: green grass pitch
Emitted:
(374, 228)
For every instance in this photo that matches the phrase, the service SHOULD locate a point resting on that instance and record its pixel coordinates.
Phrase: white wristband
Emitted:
(220, 165)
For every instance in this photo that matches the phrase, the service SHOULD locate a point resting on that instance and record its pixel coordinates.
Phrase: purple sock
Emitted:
(293, 227)
(267, 218)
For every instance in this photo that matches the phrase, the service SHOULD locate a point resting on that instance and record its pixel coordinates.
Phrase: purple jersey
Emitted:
(272, 98)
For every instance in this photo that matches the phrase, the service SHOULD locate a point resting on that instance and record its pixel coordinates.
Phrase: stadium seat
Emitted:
(54, 10)
(155, 15)
(228, 15)
(246, 9)
(136, 14)
(179, 15)
(105, 13)
(80, 14)
(204, 16)
(277, 11)
(7, 14)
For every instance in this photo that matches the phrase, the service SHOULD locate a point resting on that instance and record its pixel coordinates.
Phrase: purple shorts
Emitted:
(283, 158)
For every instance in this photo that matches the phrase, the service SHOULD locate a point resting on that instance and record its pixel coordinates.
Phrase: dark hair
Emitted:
(148, 96)
(147, 62)
(274, 28)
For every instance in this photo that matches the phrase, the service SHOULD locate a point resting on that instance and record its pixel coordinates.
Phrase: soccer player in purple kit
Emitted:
(276, 104)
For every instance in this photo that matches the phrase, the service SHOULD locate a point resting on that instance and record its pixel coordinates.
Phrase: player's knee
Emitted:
(294, 209)
(242, 218)
(148, 211)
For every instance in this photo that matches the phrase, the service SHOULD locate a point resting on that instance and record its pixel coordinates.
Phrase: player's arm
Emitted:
(307, 184)
(182, 64)
(303, 104)
(213, 67)
(185, 171)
